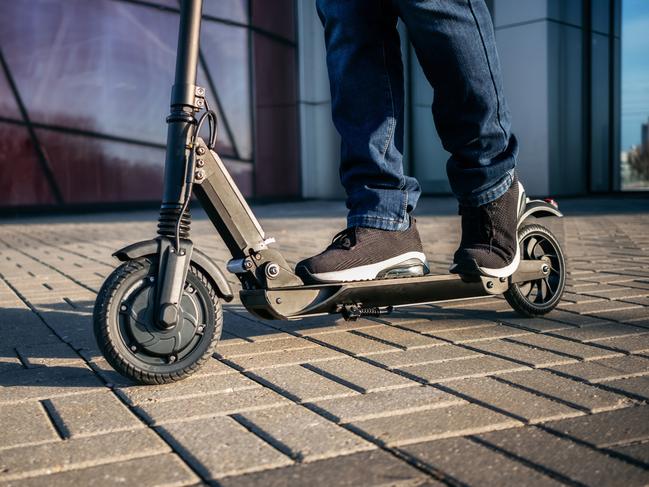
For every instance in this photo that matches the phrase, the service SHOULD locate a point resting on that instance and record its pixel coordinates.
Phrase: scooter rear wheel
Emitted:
(536, 298)
(126, 331)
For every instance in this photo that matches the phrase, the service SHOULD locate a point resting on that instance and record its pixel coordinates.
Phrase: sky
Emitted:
(635, 70)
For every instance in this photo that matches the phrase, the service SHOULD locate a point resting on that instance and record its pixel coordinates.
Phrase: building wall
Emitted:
(561, 74)
(85, 86)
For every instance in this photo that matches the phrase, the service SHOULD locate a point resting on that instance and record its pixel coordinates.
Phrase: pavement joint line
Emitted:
(558, 399)
(377, 339)
(101, 379)
(598, 382)
(535, 466)
(565, 354)
(55, 419)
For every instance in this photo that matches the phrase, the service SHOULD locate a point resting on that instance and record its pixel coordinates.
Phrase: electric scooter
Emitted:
(158, 316)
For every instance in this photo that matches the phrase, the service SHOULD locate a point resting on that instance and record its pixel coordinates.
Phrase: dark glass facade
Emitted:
(84, 92)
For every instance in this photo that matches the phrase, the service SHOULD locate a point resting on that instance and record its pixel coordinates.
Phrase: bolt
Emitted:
(200, 162)
(123, 307)
(200, 150)
(272, 270)
(503, 279)
(247, 264)
(151, 279)
(278, 300)
(201, 328)
(200, 174)
(190, 289)
(490, 284)
(545, 269)
(258, 256)
(200, 91)
(172, 359)
(133, 348)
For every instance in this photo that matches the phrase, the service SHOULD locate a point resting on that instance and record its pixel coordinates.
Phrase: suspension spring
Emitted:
(168, 220)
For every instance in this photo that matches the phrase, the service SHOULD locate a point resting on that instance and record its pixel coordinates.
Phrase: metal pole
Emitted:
(181, 121)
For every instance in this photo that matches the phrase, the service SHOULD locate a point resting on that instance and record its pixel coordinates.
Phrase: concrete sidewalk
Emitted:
(457, 393)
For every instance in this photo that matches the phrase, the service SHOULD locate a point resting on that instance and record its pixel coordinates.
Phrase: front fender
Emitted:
(199, 259)
(540, 209)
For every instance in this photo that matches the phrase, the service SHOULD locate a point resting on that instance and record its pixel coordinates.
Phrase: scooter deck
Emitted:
(298, 301)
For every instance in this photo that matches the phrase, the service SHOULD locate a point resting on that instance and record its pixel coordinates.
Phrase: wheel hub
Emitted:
(139, 320)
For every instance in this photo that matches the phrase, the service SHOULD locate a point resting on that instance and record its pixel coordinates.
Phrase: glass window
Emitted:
(92, 170)
(226, 53)
(22, 180)
(236, 10)
(635, 95)
(109, 63)
(8, 105)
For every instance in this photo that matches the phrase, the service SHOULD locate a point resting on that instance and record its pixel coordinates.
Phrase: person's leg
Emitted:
(366, 79)
(455, 45)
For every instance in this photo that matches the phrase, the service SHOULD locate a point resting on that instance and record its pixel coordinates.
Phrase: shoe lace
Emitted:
(344, 239)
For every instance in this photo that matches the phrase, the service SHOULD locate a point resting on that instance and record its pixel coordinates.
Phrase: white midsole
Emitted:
(369, 271)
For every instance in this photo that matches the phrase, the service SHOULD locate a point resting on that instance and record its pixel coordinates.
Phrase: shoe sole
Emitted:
(471, 268)
(404, 265)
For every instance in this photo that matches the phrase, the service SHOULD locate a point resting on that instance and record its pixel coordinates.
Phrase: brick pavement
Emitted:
(457, 393)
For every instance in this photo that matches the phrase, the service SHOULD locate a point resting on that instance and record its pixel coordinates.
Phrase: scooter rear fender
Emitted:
(539, 209)
(148, 248)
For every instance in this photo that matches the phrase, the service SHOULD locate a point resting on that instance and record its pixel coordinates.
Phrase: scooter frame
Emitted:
(270, 288)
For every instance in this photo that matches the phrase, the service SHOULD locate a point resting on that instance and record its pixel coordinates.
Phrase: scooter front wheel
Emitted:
(536, 298)
(130, 339)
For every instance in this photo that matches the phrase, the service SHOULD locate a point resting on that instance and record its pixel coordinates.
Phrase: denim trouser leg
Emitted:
(366, 78)
(455, 45)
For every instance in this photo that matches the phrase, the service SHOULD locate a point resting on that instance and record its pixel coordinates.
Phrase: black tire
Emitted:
(536, 298)
(128, 338)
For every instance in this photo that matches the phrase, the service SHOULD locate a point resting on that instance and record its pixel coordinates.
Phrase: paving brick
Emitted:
(210, 405)
(302, 434)
(322, 325)
(225, 350)
(282, 359)
(540, 325)
(564, 347)
(218, 447)
(521, 404)
(630, 344)
(635, 313)
(30, 461)
(578, 394)
(359, 376)
(24, 424)
(50, 355)
(400, 338)
(90, 414)
(606, 369)
(192, 387)
(249, 329)
(637, 451)
(415, 427)
(596, 333)
(442, 353)
(301, 384)
(47, 382)
(576, 319)
(566, 458)
(461, 369)
(474, 464)
(598, 309)
(477, 334)
(637, 386)
(534, 357)
(374, 467)
(384, 403)
(627, 425)
(166, 470)
(453, 322)
(354, 344)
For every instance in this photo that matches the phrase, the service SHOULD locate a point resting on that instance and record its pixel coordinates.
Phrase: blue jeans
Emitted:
(454, 42)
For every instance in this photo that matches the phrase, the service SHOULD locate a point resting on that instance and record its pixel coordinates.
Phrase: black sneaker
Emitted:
(360, 253)
(489, 245)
